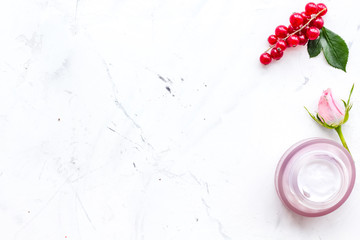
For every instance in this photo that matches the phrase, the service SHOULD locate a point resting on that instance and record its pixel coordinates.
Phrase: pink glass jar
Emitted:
(315, 177)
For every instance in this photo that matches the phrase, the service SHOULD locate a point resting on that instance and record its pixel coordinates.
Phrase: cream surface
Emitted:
(319, 180)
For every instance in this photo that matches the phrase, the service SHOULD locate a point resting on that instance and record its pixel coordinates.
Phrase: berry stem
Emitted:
(272, 46)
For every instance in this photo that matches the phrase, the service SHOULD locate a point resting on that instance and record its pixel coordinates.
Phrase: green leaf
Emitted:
(314, 47)
(335, 49)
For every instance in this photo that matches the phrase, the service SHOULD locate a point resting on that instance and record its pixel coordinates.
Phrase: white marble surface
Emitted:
(150, 119)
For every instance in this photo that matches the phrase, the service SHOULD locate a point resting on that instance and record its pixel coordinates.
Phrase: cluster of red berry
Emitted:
(303, 27)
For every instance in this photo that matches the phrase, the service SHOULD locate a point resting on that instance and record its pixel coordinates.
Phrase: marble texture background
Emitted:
(152, 119)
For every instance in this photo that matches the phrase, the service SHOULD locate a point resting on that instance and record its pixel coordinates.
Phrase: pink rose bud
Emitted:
(332, 113)
(331, 110)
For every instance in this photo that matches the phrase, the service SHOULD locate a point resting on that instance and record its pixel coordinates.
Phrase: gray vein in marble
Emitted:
(35, 42)
(200, 182)
(171, 175)
(121, 107)
(42, 168)
(111, 129)
(76, 10)
(217, 221)
(278, 220)
(90, 172)
(166, 80)
(60, 71)
(139, 226)
(195, 178)
(162, 78)
(306, 80)
(127, 139)
(303, 84)
(207, 188)
(168, 89)
(85, 211)
(37, 214)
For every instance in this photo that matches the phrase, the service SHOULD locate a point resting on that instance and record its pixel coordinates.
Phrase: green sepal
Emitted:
(348, 106)
(325, 124)
(351, 91)
(316, 119)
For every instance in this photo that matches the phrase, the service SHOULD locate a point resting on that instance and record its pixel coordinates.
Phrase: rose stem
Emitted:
(341, 136)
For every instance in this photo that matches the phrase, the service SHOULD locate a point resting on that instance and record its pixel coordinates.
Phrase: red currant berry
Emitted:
(293, 40)
(296, 19)
(303, 39)
(312, 33)
(265, 58)
(281, 45)
(311, 8)
(322, 6)
(304, 30)
(306, 18)
(290, 29)
(317, 22)
(275, 54)
(281, 31)
(297, 28)
(272, 39)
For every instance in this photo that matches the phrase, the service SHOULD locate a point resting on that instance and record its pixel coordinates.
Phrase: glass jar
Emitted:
(315, 177)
